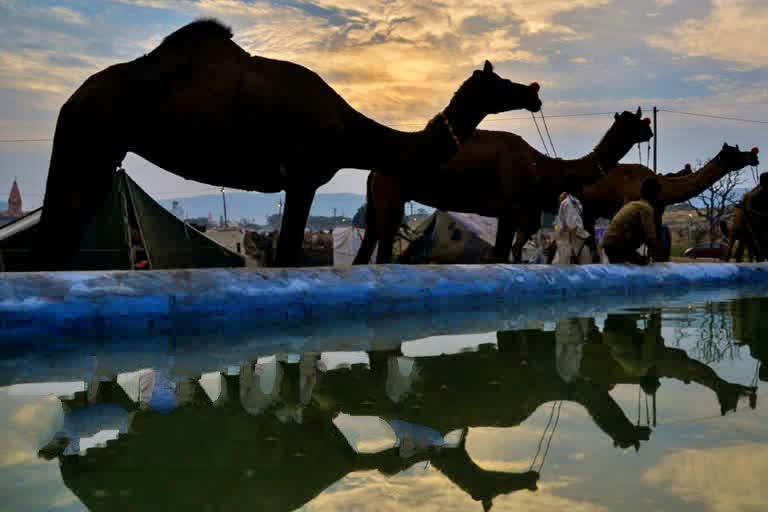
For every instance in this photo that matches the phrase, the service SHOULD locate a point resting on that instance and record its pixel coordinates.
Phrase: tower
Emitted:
(14, 201)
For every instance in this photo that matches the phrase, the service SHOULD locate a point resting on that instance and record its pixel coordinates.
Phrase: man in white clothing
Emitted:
(571, 237)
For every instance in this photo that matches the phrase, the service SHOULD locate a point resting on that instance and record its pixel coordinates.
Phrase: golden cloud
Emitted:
(399, 60)
(37, 72)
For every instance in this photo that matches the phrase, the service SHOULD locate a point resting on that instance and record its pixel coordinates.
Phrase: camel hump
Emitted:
(196, 32)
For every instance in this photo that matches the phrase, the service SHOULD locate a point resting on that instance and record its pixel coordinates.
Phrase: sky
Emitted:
(399, 61)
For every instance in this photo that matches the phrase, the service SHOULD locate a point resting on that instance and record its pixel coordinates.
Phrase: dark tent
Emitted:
(130, 227)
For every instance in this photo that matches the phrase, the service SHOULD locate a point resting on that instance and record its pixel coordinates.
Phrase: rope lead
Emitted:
(536, 123)
(546, 128)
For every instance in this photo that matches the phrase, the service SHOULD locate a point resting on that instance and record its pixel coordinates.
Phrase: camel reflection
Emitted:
(217, 454)
(265, 437)
(750, 327)
(630, 354)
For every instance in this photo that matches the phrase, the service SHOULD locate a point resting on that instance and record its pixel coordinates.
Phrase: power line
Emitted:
(26, 140)
(520, 118)
(414, 123)
(712, 116)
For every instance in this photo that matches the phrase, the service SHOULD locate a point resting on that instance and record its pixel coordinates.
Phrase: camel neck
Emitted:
(383, 149)
(679, 189)
(462, 120)
(611, 149)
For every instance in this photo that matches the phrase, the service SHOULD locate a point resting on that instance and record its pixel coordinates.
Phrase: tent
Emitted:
(130, 228)
(453, 237)
(346, 243)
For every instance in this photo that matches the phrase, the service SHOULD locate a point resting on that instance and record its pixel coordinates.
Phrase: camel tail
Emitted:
(369, 213)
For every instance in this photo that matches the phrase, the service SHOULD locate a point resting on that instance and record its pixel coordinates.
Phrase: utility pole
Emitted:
(655, 138)
(224, 199)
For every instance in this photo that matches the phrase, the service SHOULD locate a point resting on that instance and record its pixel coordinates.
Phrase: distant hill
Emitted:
(256, 207)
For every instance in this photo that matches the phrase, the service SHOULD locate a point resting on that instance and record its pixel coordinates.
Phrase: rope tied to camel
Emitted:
(541, 136)
(546, 128)
(536, 123)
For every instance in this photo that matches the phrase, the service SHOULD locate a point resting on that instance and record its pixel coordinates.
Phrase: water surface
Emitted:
(651, 408)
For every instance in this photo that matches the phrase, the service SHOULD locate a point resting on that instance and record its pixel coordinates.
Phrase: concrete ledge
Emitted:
(109, 304)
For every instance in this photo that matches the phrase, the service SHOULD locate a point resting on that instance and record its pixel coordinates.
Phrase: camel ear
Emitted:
(725, 145)
(488, 68)
(737, 147)
(639, 112)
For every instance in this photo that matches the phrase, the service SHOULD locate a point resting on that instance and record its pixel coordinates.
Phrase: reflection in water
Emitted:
(276, 432)
(750, 327)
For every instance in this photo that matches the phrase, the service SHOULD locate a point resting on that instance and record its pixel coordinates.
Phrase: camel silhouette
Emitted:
(746, 233)
(201, 107)
(605, 197)
(496, 174)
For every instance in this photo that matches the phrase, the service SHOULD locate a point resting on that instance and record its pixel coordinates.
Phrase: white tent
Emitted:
(346, 243)
(453, 237)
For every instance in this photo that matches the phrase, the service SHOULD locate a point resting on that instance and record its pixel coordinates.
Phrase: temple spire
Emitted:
(14, 201)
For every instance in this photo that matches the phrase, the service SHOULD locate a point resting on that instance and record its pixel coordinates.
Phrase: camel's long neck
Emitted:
(611, 149)
(676, 190)
(605, 412)
(389, 151)
(606, 155)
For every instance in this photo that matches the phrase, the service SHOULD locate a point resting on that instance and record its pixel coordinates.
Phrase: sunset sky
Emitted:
(399, 61)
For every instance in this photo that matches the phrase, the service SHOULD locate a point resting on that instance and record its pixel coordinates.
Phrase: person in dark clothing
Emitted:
(633, 226)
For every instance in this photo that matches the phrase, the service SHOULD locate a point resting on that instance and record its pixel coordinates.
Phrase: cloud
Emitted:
(424, 488)
(417, 488)
(399, 61)
(703, 77)
(49, 77)
(66, 15)
(629, 61)
(724, 479)
(730, 32)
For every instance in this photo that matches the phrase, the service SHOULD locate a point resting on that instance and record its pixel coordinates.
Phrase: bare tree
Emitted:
(715, 203)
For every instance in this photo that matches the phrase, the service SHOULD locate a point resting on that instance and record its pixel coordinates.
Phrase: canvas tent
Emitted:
(129, 227)
(346, 243)
(452, 237)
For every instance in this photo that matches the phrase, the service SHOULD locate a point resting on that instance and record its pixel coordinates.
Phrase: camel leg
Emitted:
(739, 255)
(529, 224)
(751, 246)
(79, 178)
(729, 251)
(370, 238)
(387, 223)
(367, 246)
(298, 201)
(504, 237)
(522, 236)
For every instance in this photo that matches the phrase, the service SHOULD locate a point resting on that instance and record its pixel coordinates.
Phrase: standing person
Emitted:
(570, 235)
(633, 226)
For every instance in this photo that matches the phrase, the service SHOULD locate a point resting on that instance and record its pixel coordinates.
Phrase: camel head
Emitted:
(490, 94)
(734, 159)
(632, 126)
